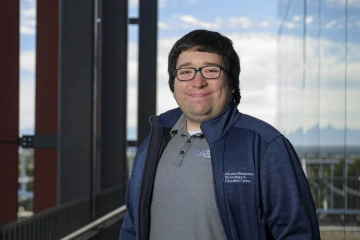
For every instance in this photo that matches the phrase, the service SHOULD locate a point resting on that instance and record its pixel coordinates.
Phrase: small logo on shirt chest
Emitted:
(204, 153)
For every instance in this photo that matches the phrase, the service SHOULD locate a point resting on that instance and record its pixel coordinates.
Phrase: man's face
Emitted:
(201, 99)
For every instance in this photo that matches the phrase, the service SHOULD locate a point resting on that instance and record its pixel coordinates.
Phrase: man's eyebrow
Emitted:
(188, 64)
(212, 64)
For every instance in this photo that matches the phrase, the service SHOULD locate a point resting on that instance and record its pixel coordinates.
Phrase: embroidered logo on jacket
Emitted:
(204, 153)
(238, 177)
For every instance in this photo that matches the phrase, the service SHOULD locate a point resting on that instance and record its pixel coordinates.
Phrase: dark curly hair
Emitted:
(212, 42)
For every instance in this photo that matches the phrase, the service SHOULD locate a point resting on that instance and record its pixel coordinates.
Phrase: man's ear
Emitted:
(233, 90)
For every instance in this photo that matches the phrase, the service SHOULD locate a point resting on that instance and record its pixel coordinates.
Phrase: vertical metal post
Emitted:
(22, 169)
(113, 94)
(147, 65)
(76, 68)
(332, 189)
(9, 109)
(319, 200)
(46, 101)
(345, 115)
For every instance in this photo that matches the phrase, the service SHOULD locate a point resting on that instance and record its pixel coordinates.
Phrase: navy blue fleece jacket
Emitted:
(260, 188)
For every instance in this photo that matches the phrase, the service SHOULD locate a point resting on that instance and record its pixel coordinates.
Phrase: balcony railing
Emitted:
(60, 221)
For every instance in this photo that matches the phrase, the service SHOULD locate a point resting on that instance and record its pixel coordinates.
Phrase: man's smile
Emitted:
(199, 95)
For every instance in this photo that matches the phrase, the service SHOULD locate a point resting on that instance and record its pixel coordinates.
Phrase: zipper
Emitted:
(220, 206)
(147, 184)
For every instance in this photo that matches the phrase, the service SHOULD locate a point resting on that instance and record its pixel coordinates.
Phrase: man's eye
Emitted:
(184, 72)
(212, 70)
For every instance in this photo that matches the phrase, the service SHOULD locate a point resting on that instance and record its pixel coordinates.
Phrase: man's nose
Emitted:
(199, 80)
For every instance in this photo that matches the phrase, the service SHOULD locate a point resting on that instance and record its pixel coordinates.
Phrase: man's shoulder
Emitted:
(258, 126)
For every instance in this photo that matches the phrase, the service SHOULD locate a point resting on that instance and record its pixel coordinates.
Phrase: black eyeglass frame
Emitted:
(199, 70)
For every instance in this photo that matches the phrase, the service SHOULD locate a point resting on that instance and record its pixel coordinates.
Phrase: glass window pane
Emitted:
(352, 180)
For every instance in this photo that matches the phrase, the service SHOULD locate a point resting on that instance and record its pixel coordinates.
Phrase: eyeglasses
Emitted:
(208, 72)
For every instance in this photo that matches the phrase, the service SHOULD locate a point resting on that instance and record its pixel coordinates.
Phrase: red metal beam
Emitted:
(9, 109)
(45, 167)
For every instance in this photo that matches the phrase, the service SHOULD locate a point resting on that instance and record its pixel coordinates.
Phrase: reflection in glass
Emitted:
(319, 105)
(352, 152)
(332, 109)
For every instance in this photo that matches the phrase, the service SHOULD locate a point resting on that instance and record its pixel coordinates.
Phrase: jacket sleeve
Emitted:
(130, 224)
(127, 230)
(288, 205)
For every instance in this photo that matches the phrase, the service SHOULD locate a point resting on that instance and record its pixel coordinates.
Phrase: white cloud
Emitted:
(134, 3)
(309, 19)
(265, 24)
(162, 3)
(165, 100)
(28, 17)
(29, 11)
(243, 22)
(165, 3)
(297, 18)
(289, 25)
(132, 98)
(175, 3)
(257, 52)
(260, 102)
(330, 24)
(163, 25)
(299, 104)
(27, 61)
(27, 66)
(27, 104)
(27, 30)
(132, 103)
(189, 21)
(338, 23)
(164, 47)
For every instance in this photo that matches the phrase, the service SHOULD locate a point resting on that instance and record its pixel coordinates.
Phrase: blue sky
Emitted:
(175, 18)
(253, 27)
(27, 63)
(250, 24)
(225, 16)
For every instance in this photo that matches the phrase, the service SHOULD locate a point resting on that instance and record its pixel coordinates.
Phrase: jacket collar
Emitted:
(213, 128)
(216, 127)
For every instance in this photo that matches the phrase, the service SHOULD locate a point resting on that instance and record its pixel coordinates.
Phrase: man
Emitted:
(207, 171)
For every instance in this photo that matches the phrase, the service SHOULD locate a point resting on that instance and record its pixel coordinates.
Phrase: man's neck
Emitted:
(192, 126)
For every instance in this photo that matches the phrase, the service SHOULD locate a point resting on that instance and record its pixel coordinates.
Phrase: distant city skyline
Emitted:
(329, 136)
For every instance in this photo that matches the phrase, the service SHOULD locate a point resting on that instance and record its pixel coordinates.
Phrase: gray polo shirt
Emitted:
(183, 203)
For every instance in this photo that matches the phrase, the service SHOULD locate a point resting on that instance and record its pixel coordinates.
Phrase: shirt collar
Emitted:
(180, 126)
